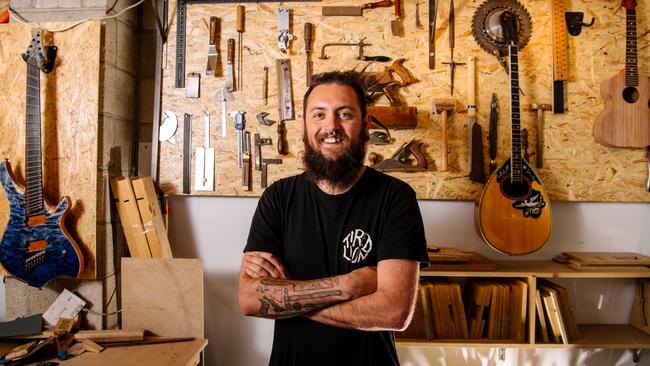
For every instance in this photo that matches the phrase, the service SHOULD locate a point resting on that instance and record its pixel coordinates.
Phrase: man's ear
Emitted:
(367, 122)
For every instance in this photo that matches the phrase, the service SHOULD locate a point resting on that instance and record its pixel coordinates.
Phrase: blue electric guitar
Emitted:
(36, 247)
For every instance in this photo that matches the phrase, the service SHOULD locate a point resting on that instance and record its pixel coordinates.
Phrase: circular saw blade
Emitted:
(486, 27)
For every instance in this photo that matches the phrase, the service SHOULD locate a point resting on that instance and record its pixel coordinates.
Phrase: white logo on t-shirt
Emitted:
(356, 246)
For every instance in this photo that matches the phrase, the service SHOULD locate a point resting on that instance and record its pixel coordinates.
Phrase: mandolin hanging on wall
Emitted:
(625, 121)
(513, 214)
(35, 246)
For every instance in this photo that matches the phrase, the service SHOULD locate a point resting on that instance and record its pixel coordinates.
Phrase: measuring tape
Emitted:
(181, 13)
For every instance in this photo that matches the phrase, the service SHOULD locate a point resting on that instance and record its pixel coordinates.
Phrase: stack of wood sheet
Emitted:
(604, 261)
(439, 312)
(496, 308)
(557, 323)
(450, 259)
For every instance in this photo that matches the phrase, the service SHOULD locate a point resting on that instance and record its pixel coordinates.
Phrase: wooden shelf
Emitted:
(544, 269)
(613, 336)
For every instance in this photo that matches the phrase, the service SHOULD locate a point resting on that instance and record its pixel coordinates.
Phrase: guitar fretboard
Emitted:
(33, 163)
(515, 161)
(631, 68)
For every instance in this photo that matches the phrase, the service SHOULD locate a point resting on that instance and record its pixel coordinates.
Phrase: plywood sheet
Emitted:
(164, 296)
(69, 115)
(576, 167)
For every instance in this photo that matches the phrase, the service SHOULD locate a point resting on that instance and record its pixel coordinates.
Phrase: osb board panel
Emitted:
(170, 289)
(69, 112)
(576, 167)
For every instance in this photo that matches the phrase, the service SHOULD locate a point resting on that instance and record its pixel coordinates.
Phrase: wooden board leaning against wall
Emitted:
(576, 168)
(69, 112)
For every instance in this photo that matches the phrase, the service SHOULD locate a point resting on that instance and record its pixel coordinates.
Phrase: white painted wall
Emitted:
(215, 229)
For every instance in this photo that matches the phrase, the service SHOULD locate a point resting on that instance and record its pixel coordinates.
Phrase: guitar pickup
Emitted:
(36, 246)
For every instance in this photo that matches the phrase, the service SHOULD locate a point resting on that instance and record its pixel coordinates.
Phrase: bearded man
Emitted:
(333, 253)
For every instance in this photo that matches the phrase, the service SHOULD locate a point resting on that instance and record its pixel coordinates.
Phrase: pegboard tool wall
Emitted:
(576, 167)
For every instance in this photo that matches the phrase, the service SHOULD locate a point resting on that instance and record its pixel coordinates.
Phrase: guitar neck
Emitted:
(631, 68)
(33, 162)
(515, 161)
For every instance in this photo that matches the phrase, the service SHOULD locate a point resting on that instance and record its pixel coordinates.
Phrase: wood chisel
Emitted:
(230, 67)
(433, 10)
(474, 130)
(213, 53)
(204, 162)
(285, 101)
(240, 53)
(307, 37)
(354, 10)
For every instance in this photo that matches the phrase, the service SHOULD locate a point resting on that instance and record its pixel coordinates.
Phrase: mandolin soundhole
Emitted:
(515, 191)
(630, 94)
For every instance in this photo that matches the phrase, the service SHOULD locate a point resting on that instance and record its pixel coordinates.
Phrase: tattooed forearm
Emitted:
(281, 299)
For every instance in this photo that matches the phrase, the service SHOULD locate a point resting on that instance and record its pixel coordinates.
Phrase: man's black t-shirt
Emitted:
(317, 235)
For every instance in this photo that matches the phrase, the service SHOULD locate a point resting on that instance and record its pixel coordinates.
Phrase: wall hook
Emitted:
(574, 22)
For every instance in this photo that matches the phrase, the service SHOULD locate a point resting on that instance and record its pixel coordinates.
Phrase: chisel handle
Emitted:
(398, 11)
(282, 142)
(240, 18)
(213, 30)
(230, 55)
(378, 4)
(444, 163)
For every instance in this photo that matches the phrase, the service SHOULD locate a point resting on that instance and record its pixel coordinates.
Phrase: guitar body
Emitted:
(625, 121)
(514, 218)
(41, 251)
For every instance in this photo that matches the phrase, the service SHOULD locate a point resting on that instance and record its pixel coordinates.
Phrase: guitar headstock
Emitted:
(628, 4)
(39, 55)
(509, 27)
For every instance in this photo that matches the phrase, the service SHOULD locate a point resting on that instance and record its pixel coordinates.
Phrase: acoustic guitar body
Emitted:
(625, 121)
(514, 218)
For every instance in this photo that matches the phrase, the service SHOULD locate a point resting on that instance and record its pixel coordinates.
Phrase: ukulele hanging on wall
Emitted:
(625, 122)
(35, 246)
(514, 213)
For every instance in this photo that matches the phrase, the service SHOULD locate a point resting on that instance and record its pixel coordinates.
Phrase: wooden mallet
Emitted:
(444, 106)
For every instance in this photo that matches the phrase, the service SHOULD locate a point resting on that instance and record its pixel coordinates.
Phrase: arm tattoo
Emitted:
(284, 298)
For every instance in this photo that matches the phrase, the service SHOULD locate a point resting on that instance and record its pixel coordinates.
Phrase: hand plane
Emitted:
(401, 161)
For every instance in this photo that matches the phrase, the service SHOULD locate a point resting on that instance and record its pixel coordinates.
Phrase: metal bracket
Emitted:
(502, 354)
(574, 22)
(359, 44)
(261, 118)
(284, 37)
(636, 355)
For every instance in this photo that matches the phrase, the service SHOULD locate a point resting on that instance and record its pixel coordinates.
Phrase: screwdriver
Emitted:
(240, 30)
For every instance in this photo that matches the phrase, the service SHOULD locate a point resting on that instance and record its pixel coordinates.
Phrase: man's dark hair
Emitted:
(352, 79)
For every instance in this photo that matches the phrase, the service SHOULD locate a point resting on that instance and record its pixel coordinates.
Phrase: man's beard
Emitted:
(341, 172)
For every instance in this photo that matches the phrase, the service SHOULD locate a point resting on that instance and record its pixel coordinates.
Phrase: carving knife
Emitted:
(492, 137)
(230, 66)
(213, 53)
(474, 129)
(354, 10)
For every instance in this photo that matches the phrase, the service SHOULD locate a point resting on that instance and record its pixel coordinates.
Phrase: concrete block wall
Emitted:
(117, 129)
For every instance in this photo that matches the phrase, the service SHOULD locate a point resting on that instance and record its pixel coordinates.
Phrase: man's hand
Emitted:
(263, 264)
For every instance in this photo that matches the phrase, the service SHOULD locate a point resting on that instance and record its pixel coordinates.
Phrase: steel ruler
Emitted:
(181, 14)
